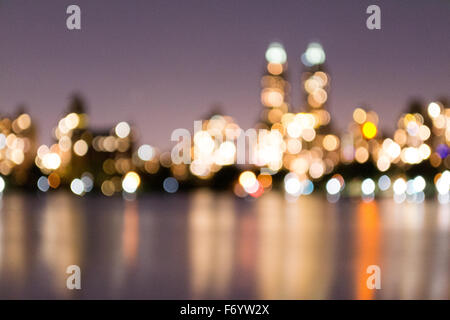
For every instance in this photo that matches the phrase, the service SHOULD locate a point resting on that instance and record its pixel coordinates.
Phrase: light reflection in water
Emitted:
(130, 235)
(295, 248)
(14, 244)
(367, 246)
(62, 231)
(212, 245)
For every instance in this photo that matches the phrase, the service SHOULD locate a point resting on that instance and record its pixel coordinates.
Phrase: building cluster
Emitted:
(295, 147)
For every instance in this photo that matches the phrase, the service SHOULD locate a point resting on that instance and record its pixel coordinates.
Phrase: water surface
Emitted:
(210, 245)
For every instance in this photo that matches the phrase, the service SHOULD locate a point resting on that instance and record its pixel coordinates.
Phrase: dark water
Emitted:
(213, 246)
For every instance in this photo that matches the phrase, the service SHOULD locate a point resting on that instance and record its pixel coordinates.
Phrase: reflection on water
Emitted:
(210, 245)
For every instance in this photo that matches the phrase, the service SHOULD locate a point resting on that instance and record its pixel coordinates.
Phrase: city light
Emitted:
(146, 152)
(122, 129)
(292, 184)
(291, 151)
(131, 182)
(170, 185)
(384, 183)
(276, 53)
(314, 54)
(77, 186)
(434, 110)
(248, 181)
(399, 186)
(369, 130)
(333, 186)
(2, 184)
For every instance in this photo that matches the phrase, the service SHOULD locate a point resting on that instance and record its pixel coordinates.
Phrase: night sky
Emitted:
(163, 64)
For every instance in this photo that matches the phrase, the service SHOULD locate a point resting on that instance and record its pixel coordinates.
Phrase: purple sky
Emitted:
(162, 64)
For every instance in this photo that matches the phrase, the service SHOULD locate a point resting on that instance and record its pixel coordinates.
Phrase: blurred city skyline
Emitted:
(163, 65)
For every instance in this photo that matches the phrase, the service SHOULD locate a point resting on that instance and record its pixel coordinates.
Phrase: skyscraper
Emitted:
(275, 87)
(315, 85)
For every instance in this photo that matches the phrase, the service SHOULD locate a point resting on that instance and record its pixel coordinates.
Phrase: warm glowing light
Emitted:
(330, 142)
(51, 161)
(294, 129)
(71, 121)
(146, 152)
(24, 121)
(272, 98)
(2, 184)
(248, 181)
(122, 129)
(369, 130)
(359, 115)
(275, 68)
(226, 153)
(383, 163)
(54, 180)
(108, 188)
(131, 182)
(361, 155)
(80, 148)
(204, 142)
(316, 170)
(434, 110)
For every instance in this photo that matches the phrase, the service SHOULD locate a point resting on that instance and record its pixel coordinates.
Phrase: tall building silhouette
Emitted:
(315, 85)
(274, 85)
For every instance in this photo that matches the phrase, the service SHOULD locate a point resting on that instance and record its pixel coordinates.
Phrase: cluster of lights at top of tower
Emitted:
(316, 83)
(275, 87)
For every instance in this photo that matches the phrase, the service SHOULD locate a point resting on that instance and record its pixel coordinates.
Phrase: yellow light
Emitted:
(369, 130)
